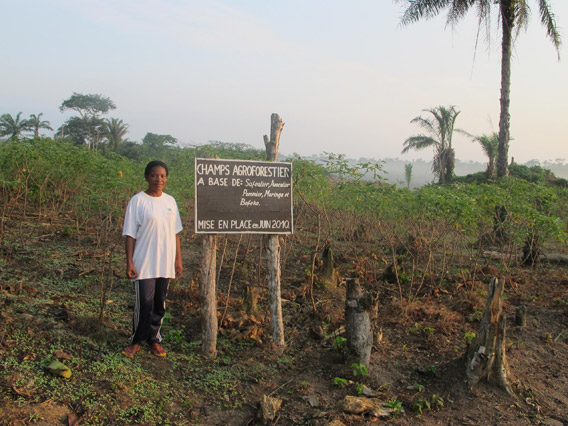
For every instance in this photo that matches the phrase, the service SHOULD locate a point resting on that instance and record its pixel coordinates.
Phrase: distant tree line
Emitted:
(89, 128)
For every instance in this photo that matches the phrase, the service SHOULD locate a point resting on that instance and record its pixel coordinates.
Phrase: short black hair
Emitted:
(152, 164)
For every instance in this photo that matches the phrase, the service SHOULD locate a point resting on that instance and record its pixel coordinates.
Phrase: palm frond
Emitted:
(522, 13)
(419, 9)
(444, 124)
(484, 20)
(114, 131)
(458, 10)
(418, 142)
(425, 123)
(548, 20)
(13, 127)
(35, 123)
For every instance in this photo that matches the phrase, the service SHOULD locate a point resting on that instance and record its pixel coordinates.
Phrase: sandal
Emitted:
(157, 350)
(130, 350)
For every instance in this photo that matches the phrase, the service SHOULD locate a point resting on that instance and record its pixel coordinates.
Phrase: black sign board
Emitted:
(238, 196)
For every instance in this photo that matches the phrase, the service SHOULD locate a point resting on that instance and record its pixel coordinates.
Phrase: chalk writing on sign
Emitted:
(238, 196)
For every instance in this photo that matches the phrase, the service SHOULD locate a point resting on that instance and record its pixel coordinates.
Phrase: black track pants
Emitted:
(149, 309)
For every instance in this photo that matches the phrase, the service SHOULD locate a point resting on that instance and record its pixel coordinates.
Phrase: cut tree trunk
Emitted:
(328, 273)
(272, 243)
(531, 249)
(486, 360)
(358, 313)
(251, 299)
(553, 258)
(500, 222)
(207, 296)
(521, 316)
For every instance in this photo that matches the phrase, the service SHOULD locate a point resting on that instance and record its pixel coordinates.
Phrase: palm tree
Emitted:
(514, 15)
(114, 130)
(441, 130)
(490, 145)
(408, 173)
(35, 123)
(12, 127)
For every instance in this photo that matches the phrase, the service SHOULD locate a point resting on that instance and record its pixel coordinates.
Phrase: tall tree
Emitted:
(154, 144)
(158, 141)
(514, 15)
(35, 123)
(114, 131)
(12, 127)
(90, 108)
(440, 129)
(83, 131)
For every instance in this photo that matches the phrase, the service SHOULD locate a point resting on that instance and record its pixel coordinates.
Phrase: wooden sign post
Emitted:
(273, 244)
(208, 296)
(239, 196)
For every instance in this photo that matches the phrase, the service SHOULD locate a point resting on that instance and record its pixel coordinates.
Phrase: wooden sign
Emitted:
(239, 196)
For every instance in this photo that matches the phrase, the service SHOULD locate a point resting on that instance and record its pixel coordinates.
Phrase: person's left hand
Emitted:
(179, 268)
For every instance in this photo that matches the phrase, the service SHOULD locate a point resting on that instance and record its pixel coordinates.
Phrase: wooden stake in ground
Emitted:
(272, 243)
(207, 296)
(486, 356)
(358, 307)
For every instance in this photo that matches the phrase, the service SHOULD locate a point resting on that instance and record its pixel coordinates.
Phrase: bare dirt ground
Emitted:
(51, 283)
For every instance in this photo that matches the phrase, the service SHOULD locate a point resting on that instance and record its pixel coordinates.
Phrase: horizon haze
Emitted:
(344, 76)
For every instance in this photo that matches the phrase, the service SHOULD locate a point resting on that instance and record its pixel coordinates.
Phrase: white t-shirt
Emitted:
(153, 222)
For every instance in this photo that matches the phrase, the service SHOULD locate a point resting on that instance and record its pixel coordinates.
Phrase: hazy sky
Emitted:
(344, 76)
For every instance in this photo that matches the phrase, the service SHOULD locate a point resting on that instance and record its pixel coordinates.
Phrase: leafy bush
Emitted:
(66, 179)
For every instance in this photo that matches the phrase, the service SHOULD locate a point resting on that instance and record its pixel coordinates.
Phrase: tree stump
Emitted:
(328, 273)
(486, 358)
(500, 222)
(250, 303)
(358, 313)
(521, 316)
(531, 249)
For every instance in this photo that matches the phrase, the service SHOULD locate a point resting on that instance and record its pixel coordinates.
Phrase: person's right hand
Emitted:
(131, 272)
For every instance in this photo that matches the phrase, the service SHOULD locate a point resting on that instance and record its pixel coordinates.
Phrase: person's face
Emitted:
(157, 179)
